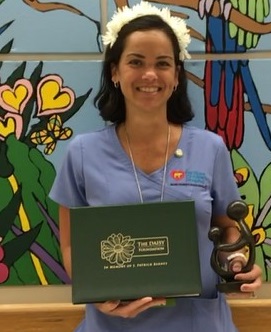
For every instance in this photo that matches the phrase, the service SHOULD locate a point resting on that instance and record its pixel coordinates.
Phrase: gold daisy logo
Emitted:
(118, 249)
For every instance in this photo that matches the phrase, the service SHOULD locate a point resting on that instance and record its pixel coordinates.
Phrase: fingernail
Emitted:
(161, 304)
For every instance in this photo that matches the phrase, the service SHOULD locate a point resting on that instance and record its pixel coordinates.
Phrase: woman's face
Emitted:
(146, 72)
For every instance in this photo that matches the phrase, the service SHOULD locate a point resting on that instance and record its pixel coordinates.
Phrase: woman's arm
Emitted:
(65, 241)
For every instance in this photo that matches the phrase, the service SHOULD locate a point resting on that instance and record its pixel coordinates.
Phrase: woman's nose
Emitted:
(149, 74)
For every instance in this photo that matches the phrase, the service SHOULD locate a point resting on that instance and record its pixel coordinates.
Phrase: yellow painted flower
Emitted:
(7, 127)
(52, 134)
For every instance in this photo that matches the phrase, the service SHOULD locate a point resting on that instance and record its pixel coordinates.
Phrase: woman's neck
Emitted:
(143, 128)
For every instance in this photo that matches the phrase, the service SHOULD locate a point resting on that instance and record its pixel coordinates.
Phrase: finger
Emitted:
(140, 302)
(153, 303)
(251, 287)
(255, 273)
(107, 306)
(130, 309)
(134, 308)
(255, 278)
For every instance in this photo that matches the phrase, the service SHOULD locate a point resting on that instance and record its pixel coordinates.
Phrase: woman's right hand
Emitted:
(129, 309)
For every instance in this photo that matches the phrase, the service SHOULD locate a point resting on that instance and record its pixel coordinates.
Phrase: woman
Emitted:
(143, 94)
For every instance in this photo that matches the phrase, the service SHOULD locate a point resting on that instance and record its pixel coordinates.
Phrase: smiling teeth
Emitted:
(148, 89)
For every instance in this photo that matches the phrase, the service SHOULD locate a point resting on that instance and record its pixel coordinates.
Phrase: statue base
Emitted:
(231, 286)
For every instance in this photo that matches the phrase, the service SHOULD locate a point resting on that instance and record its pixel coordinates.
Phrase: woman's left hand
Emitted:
(254, 277)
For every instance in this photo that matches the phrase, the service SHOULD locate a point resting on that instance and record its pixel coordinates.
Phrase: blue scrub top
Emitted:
(97, 171)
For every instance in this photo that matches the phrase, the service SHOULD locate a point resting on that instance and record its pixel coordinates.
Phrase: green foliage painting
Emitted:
(34, 109)
(33, 112)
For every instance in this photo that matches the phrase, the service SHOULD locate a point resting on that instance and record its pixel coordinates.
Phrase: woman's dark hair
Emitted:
(110, 100)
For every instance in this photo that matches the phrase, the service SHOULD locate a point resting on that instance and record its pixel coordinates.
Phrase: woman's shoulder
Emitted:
(203, 135)
(94, 137)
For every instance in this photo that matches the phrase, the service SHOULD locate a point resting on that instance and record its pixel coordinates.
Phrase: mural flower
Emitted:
(52, 97)
(14, 99)
(51, 134)
(33, 112)
(4, 270)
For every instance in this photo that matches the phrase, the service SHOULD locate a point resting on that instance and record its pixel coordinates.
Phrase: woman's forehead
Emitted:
(150, 40)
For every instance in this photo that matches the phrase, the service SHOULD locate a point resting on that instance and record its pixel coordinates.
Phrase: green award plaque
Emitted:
(130, 251)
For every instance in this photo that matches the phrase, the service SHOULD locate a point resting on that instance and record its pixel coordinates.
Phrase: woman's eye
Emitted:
(135, 62)
(163, 64)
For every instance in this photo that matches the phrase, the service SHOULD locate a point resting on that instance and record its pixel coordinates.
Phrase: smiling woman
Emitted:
(143, 95)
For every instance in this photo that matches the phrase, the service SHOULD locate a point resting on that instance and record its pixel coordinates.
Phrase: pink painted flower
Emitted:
(4, 271)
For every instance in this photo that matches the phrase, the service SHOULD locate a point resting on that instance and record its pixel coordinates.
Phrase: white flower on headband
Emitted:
(124, 15)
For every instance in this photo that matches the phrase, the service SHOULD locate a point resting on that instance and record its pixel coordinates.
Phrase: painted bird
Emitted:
(227, 81)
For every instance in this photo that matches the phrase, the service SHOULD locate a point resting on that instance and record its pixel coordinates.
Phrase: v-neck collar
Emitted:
(125, 159)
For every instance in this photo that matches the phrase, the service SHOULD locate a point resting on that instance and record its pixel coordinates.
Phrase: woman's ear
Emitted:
(114, 72)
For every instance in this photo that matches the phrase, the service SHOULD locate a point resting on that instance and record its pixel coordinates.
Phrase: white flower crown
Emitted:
(124, 15)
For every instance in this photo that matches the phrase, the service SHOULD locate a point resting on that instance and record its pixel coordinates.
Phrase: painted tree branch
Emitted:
(51, 6)
(121, 3)
(242, 21)
(195, 34)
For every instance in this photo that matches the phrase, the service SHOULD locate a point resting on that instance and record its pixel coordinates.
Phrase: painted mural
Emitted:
(38, 113)
(252, 158)
(44, 104)
(234, 25)
(35, 26)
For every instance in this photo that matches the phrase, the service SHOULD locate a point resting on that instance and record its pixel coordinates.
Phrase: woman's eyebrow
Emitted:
(135, 55)
(142, 56)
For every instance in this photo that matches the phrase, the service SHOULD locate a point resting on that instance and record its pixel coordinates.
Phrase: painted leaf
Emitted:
(15, 248)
